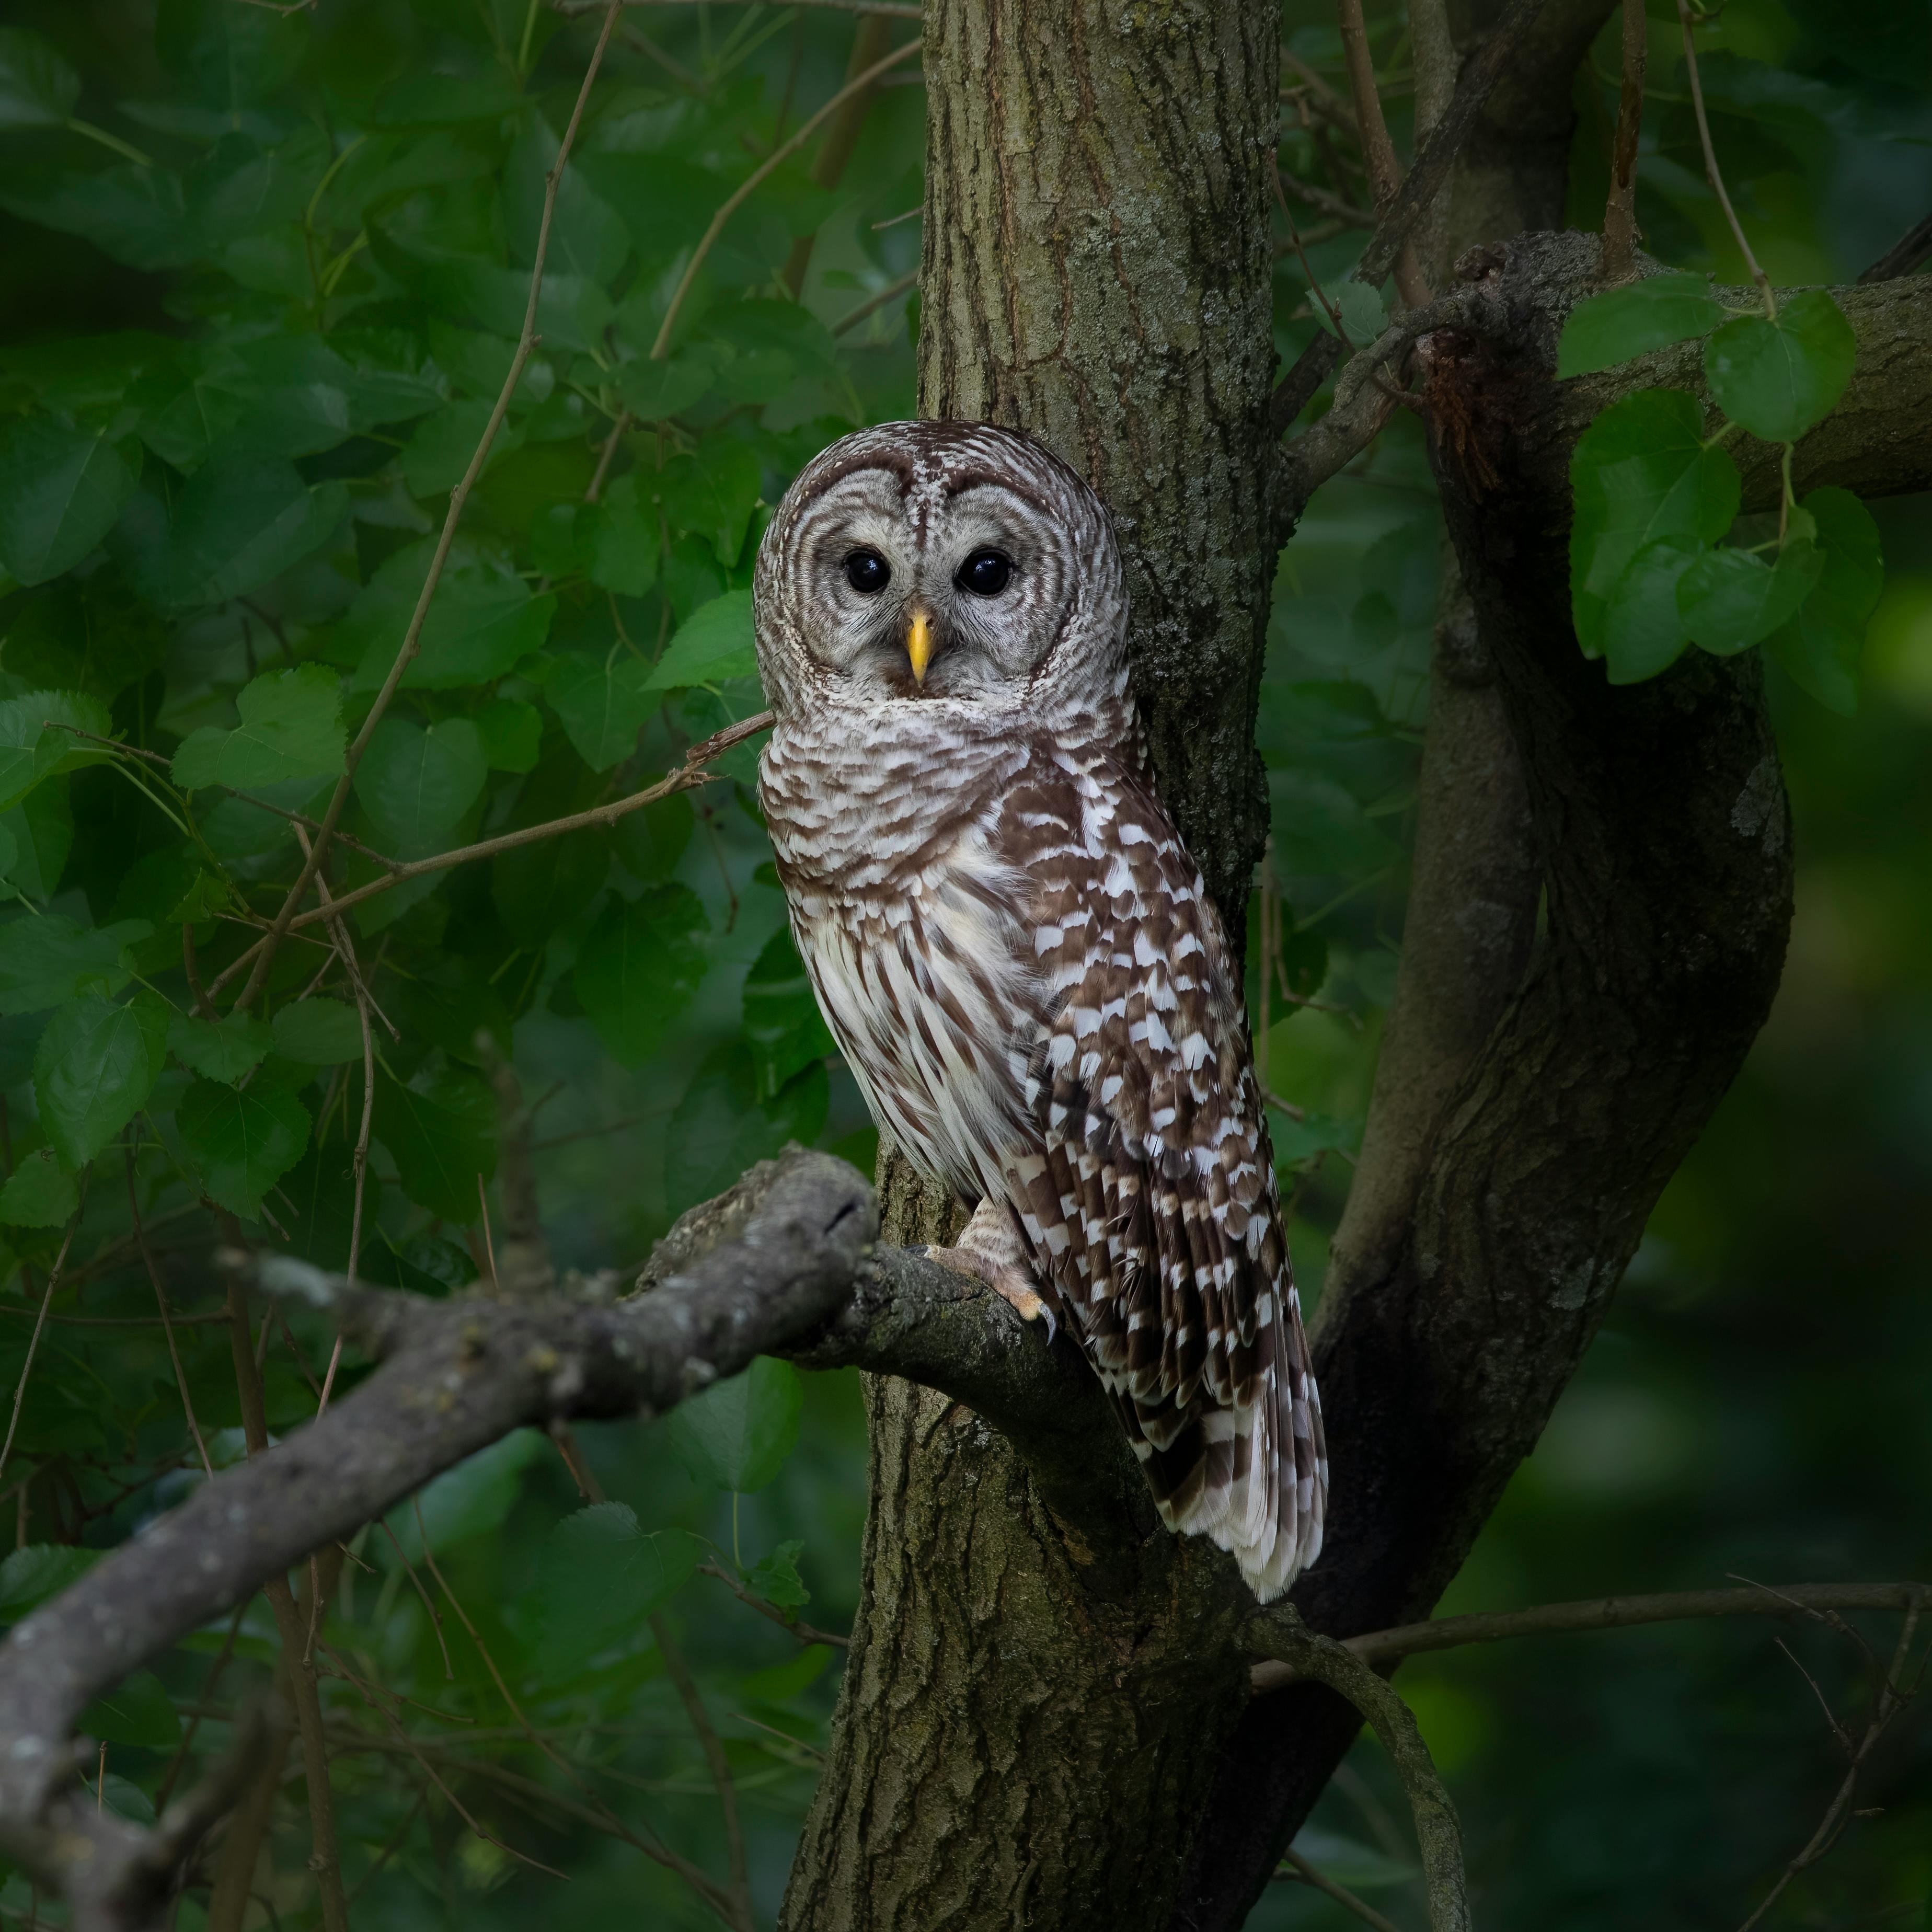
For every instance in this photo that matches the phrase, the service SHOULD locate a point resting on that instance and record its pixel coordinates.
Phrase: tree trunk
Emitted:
(1033, 1707)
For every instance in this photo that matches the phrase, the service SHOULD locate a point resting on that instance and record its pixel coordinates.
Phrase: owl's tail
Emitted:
(1253, 1476)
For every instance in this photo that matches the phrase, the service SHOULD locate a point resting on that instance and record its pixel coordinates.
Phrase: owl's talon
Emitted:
(1011, 1284)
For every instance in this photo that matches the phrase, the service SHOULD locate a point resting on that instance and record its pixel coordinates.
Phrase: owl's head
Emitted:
(939, 560)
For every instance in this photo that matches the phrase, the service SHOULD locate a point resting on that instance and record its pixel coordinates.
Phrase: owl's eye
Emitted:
(868, 572)
(985, 573)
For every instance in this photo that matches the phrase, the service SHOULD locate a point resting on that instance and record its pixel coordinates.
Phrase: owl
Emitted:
(1017, 956)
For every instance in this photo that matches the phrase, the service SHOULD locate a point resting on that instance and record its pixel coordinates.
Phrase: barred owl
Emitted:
(1017, 956)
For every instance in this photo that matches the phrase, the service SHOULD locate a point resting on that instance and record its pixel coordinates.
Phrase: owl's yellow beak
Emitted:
(918, 644)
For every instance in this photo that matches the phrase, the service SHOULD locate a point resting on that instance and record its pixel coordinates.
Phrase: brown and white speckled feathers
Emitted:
(1016, 955)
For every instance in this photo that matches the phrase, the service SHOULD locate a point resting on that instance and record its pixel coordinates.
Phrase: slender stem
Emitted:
(1619, 260)
(806, 1633)
(111, 141)
(40, 1322)
(1711, 173)
(660, 348)
(459, 496)
(872, 304)
(606, 456)
(678, 1672)
(161, 1301)
(1378, 150)
(1309, 1875)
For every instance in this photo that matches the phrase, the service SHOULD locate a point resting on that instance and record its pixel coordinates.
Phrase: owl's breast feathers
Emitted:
(1019, 960)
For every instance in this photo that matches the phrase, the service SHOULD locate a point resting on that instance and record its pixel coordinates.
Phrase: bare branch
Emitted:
(1595, 1613)
(1378, 150)
(1619, 258)
(1322, 1882)
(1904, 255)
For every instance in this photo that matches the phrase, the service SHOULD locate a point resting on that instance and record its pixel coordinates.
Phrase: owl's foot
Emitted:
(990, 1249)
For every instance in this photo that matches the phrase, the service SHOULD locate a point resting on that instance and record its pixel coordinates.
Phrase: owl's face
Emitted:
(923, 561)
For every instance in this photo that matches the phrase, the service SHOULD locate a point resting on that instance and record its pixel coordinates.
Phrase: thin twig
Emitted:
(605, 456)
(458, 498)
(738, 1885)
(1712, 172)
(409, 1569)
(660, 348)
(40, 1322)
(1618, 263)
(870, 306)
(167, 1326)
(806, 1633)
(1378, 150)
(1309, 1875)
(1904, 255)
(1319, 96)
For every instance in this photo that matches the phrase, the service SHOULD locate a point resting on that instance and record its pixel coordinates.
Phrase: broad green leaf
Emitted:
(602, 1579)
(34, 745)
(291, 728)
(239, 524)
(37, 87)
(1643, 629)
(1364, 314)
(539, 887)
(242, 1141)
(30, 1576)
(186, 407)
(776, 1578)
(449, 1001)
(1311, 1136)
(714, 643)
(653, 391)
(511, 733)
(441, 1130)
(416, 785)
(92, 638)
(137, 1711)
(603, 703)
(47, 960)
(60, 491)
(649, 843)
(1729, 599)
(482, 621)
(134, 213)
(224, 1049)
(97, 1064)
(472, 1499)
(621, 536)
(1640, 472)
(230, 57)
(318, 1033)
(712, 491)
(782, 1682)
(639, 966)
(439, 455)
(1779, 378)
(1606, 329)
(737, 1435)
(40, 1192)
(445, 100)
(1820, 647)
(783, 1026)
(39, 836)
(721, 1126)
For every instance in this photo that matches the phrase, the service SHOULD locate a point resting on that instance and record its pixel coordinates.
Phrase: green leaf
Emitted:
(291, 728)
(1779, 378)
(37, 87)
(783, 1026)
(96, 1065)
(417, 785)
(603, 703)
(712, 491)
(224, 1049)
(472, 1499)
(45, 961)
(539, 887)
(602, 1578)
(438, 455)
(649, 842)
(721, 1126)
(60, 491)
(1643, 629)
(441, 1131)
(39, 832)
(638, 967)
(30, 1576)
(1640, 472)
(1729, 599)
(713, 644)
(776, 1578)
(92, 638)
(621, 535)
(737, 1435)
(241, 1142)
(1606, 329)
(1820, 647)
(482, 621)
(318, 1033)
(239, 524)
(652, 391)
(39, 1193)
(33, 746)
(511, 734)
(138, 1711)
(1363, 312)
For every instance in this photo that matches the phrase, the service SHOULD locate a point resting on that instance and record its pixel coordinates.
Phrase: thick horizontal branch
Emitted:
(455, 1375)
(1596, 1613)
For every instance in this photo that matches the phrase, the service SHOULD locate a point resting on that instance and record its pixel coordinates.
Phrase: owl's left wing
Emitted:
(1149, 1196)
